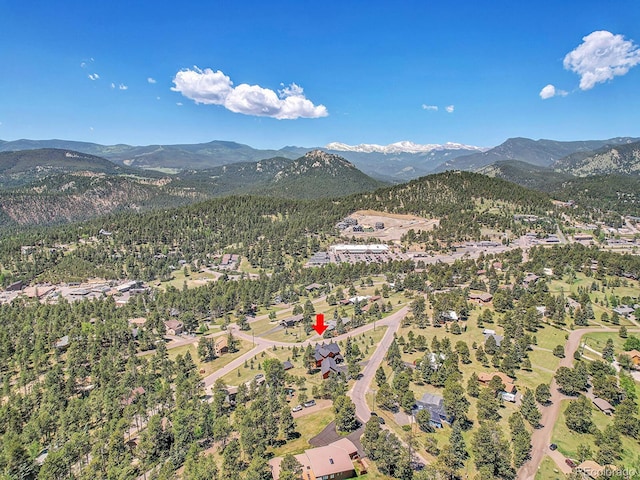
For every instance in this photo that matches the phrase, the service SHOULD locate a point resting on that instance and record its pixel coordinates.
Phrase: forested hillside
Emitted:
(70, 186)
(610, 160)
(269, 231)
(597, 194)
(86, 394)
(26, 166)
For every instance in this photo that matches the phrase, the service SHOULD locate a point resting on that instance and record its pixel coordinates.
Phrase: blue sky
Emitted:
(278, 73)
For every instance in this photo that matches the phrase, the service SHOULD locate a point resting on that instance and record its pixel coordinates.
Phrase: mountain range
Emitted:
(397, 162)
(50, 186)
(541, 153)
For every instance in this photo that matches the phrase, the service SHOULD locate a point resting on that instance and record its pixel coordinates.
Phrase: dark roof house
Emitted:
(292, 321)
(330, 365)
(435, 405)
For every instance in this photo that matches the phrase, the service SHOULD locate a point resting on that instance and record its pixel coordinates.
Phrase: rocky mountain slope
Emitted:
(59, 186)
(620, 159)
(536, 152)
(315, 174)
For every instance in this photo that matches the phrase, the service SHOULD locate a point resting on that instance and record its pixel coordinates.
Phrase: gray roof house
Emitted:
(496, 337)
(435, 405)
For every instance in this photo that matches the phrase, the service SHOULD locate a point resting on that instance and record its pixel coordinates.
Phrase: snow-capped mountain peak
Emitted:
(401, 147)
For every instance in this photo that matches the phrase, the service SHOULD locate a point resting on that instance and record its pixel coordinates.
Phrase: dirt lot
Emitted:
(395, 225)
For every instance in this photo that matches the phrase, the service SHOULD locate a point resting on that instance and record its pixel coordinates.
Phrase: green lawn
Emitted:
(549, 471)
(308, 427)
(597, 341)
(212, 366)
(568, 440)
(550, 336)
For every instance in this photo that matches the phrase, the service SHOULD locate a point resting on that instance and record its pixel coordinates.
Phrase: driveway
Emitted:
(330, 435)
(541, 437)
(320, 405)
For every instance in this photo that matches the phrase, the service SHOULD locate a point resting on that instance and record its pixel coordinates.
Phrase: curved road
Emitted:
(360, 388)
(262, 344)
(541, 437)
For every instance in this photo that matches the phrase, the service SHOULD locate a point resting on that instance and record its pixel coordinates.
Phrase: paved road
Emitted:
(541, 437)
(262, 344)
(358, 392)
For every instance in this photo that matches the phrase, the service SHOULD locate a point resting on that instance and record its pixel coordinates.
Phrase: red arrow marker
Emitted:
(320, 327)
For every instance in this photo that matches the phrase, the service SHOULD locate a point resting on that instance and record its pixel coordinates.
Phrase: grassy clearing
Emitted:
(597, 341)
(549, 471)
(308, 427)
(598, 297)
(246, 267)
(212, 366)
(568, 440)
(194, 279)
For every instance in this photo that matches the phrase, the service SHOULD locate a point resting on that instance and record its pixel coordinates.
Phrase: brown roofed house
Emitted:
(138, 321)
(133, 396)
(604, 406)
(591, 469)
(333, 461)
(481, 297)
(221, 345)
(634, 355)
(174, 327)
(529, 279)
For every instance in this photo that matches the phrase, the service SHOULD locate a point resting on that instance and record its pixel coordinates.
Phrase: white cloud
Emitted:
(600, 57)
(157, 98)
(122, 86)
(113, 85)
(93, 76)
(450, 108)
(216, 88)
(179, 104)
(151, 80)
(433, 108)
(83, 64)
(91, 129)
(550, 91)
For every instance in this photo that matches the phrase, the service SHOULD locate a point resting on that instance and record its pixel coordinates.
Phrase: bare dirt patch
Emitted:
(395, 225)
